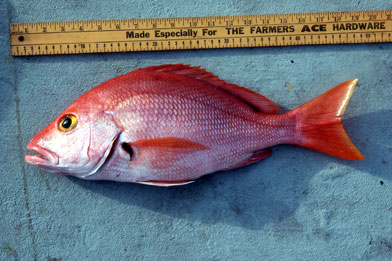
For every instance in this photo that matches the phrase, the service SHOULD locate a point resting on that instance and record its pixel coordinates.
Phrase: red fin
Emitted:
(320, 126)
(171, 143)
(162, 153)
(166, 183)
(256, 156)
(257, 101)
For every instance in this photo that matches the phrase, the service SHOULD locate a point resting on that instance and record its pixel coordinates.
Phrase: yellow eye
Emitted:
(68, 122)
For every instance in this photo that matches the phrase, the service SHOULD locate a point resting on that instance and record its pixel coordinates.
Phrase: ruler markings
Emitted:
(171, 28)
(200, 38)
(200, 32)
(24, 25)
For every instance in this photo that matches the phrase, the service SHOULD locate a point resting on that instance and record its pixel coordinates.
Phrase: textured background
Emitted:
(295, 205)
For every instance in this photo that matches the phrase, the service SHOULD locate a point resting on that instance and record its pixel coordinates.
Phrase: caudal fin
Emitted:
(319, 123)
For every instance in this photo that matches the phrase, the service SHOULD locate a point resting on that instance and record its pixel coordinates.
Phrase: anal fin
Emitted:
(256, 156)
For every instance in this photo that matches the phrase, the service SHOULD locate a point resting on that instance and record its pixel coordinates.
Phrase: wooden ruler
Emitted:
(200, 33)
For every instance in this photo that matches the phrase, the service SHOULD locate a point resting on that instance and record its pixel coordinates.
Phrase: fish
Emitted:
(168, 125)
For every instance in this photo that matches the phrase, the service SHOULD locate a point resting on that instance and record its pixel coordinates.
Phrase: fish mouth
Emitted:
(44, 158)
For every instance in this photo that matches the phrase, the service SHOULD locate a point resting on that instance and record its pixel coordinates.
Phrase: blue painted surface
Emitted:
(295, 205)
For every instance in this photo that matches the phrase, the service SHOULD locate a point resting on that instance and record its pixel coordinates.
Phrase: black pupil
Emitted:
(66, 123)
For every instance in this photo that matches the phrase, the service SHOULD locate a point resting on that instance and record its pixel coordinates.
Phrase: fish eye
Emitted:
(68, 122)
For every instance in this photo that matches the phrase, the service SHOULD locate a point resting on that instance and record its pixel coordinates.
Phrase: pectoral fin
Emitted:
(162, 153)
(171, 143)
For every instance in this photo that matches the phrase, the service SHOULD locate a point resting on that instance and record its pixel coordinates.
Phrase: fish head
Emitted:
(76, 143)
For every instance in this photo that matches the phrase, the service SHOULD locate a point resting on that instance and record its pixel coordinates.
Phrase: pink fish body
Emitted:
(171, 124)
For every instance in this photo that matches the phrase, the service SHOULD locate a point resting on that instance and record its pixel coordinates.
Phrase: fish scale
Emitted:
(193, 113)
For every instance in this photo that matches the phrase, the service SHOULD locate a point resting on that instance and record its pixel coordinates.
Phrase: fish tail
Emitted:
(319, 125)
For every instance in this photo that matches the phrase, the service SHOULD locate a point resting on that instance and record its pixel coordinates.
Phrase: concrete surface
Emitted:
(295, 205)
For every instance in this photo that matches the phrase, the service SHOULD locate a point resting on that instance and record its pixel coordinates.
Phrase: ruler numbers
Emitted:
(200, 33)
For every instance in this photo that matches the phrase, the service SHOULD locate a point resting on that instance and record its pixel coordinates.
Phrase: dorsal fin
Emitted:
(257, 101)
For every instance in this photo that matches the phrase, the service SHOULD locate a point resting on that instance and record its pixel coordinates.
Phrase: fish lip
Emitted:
(45, 157)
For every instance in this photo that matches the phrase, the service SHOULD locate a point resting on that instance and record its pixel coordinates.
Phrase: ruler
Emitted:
(200, 33)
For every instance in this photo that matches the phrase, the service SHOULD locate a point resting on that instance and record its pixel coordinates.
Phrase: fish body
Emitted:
(171, 124)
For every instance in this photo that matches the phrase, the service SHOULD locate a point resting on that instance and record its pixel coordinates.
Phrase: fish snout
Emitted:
(44, 158)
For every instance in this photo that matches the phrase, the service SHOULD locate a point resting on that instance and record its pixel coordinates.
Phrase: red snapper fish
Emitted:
(171, 124)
